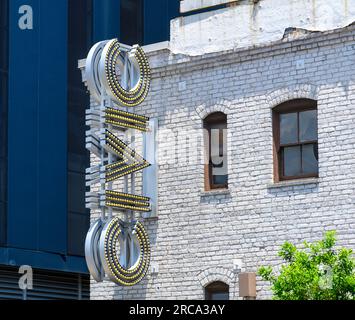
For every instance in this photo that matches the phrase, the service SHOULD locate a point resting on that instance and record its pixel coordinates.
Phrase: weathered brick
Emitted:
(198, 234)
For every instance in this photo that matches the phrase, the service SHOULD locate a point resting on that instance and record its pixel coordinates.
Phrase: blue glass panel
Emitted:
(3, 223)
(76, 192)
(78, 227)
(131, 20)
(292, 161)
(79, 43)
(157, 16)
(37, 140)
(22, 130)
(3, 116)
(310, 159)
(288, 128)
(308, 126)
(106, 19)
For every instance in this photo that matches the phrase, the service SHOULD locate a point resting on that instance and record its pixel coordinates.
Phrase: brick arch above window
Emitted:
(302, 91)
(218, 274)
(204, 110)
(217, 290)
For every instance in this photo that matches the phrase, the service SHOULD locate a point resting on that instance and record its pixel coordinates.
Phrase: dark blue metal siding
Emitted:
(3, 116)
(47, 285)
(52, 133)
(106, 19)
(22, 131)
(156, 19)
(157, 16)
(37, 129)
(42, 260)
(79, 43)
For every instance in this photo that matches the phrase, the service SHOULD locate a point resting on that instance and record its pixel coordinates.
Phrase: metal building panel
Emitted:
(52, 127)
(37, 191)
(150, 175)
(106, 19)
(42, 260)
(157, 16)
(22, 129)
(47, 285)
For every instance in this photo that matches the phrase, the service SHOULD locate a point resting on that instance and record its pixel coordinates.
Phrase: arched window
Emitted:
(295, 127)
(216, 167)
(217, 291)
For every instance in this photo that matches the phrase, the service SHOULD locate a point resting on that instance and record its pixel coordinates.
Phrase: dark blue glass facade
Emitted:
(3, 115)
(79, 43)
(43, 220)
(156, 20)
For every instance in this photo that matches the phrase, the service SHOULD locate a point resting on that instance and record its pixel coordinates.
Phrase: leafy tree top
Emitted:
(317, 272)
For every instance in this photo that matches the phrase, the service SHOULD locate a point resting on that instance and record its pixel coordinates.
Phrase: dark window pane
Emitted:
(77, 162)
(78, 227)
(132, 22)
(220, 296)
(218, 179)
(2, 223)
(79, 43)
(3, 34)
(76, 124)
(219, 154)
(216, 150)
(3, 180)
(217, 291)
(292, 161)
(288, 128)
(310, 159)
(308, 126)
(76, 192)
(4, 50)
(216, 147)
(78, 159)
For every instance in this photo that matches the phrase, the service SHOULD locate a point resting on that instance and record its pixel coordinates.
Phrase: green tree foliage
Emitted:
(317, 272)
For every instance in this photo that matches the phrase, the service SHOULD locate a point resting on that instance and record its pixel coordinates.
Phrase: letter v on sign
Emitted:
(128, 160)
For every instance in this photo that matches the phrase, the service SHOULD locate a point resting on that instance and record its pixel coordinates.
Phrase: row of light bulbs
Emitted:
(134, 96)
(118, 273)
(124, 119)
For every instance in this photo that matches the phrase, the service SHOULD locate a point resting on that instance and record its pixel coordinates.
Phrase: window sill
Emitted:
(215, 192)
(292, 183)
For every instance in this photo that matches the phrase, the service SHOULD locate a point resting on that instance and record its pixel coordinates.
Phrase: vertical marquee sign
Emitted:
(118, 77)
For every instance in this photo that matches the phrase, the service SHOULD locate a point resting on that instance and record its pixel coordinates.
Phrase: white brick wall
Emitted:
(198, 235)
